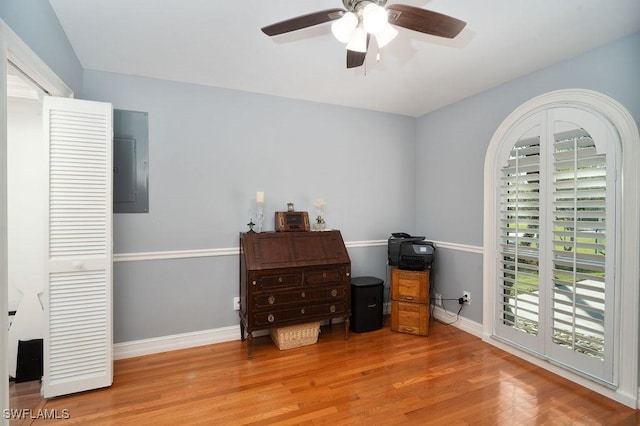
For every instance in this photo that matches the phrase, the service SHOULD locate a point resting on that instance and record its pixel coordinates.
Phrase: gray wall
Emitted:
(452, 142)
(210, 150)
(37, 25)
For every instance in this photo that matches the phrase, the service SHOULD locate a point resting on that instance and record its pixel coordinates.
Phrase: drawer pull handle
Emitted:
(324, 275)
(334, 292)
(408, 297)
(332, 308)
(348, 274)
(302, 311)
(253, 282)
(303, 294)
(279, 279)
(271, 318)
(271, 300)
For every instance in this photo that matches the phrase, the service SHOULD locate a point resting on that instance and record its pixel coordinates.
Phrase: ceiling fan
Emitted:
(364, 18)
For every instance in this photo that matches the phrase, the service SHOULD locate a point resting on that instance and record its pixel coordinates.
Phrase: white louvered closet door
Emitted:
(78, 296)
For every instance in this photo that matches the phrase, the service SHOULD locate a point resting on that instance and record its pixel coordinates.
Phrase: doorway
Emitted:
(15, 53)
(25, 192)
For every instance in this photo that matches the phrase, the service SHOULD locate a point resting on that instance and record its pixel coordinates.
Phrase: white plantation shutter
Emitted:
(579, 243)
(518, 266)
(583, 217)
(78, 342)
(557, 215)
(520, 207)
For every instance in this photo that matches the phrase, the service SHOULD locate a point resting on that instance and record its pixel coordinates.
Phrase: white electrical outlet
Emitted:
(438, 299)
(236, 303)
(467, 297)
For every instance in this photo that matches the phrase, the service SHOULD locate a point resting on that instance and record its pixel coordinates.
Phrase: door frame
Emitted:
(16, 51)
(626, 352)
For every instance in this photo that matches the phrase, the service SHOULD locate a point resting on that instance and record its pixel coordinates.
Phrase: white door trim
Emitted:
(21, 55)
(624, 123)
(4, 254)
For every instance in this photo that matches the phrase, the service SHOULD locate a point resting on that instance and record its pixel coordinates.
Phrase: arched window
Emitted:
(557, 266)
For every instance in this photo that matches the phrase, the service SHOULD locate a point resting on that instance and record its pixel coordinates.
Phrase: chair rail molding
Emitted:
(235, 251)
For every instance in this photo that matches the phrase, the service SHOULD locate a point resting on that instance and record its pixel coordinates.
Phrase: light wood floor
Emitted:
(375, 378)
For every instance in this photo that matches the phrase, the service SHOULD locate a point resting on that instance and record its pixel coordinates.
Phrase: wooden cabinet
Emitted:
(289, 278)
(410, 301)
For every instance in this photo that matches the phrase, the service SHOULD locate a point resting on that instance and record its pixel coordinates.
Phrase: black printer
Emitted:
(410, 252)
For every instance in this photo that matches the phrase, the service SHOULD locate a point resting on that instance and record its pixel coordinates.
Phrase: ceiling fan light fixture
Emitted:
(358, 41)
(374, 18)
(360, 19)
(344, 27)
(385, 36)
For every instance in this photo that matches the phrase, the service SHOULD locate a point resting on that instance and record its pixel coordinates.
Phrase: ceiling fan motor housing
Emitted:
(357, 5)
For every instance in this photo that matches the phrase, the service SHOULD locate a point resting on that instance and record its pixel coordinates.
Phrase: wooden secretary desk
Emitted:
(289, 278)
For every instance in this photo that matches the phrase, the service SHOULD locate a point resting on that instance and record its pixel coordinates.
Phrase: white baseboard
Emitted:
(227, 334)
(175, 342)
(462, 323)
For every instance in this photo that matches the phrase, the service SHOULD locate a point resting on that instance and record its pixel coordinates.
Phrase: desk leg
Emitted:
(241, 331)
(346, 328)
(249, 345)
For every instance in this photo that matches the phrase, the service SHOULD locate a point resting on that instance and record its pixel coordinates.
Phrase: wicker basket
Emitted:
(296, 335)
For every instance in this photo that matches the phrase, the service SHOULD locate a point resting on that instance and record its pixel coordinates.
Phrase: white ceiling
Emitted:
(219, 43)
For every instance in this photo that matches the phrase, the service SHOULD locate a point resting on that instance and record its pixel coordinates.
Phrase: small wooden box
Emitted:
(292, 221)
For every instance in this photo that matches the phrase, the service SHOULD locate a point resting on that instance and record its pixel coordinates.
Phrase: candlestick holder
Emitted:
(259, 216)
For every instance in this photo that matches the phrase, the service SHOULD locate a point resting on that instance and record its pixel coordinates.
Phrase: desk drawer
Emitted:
(272, 299)
(315, 277)
(299, 314)
(277, 280)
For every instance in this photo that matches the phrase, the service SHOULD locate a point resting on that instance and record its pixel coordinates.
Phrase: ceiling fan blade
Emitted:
(303, 21)
(356, 59)
(424, 21)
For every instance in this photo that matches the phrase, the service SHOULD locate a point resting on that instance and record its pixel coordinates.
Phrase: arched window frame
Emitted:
(626, 352)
